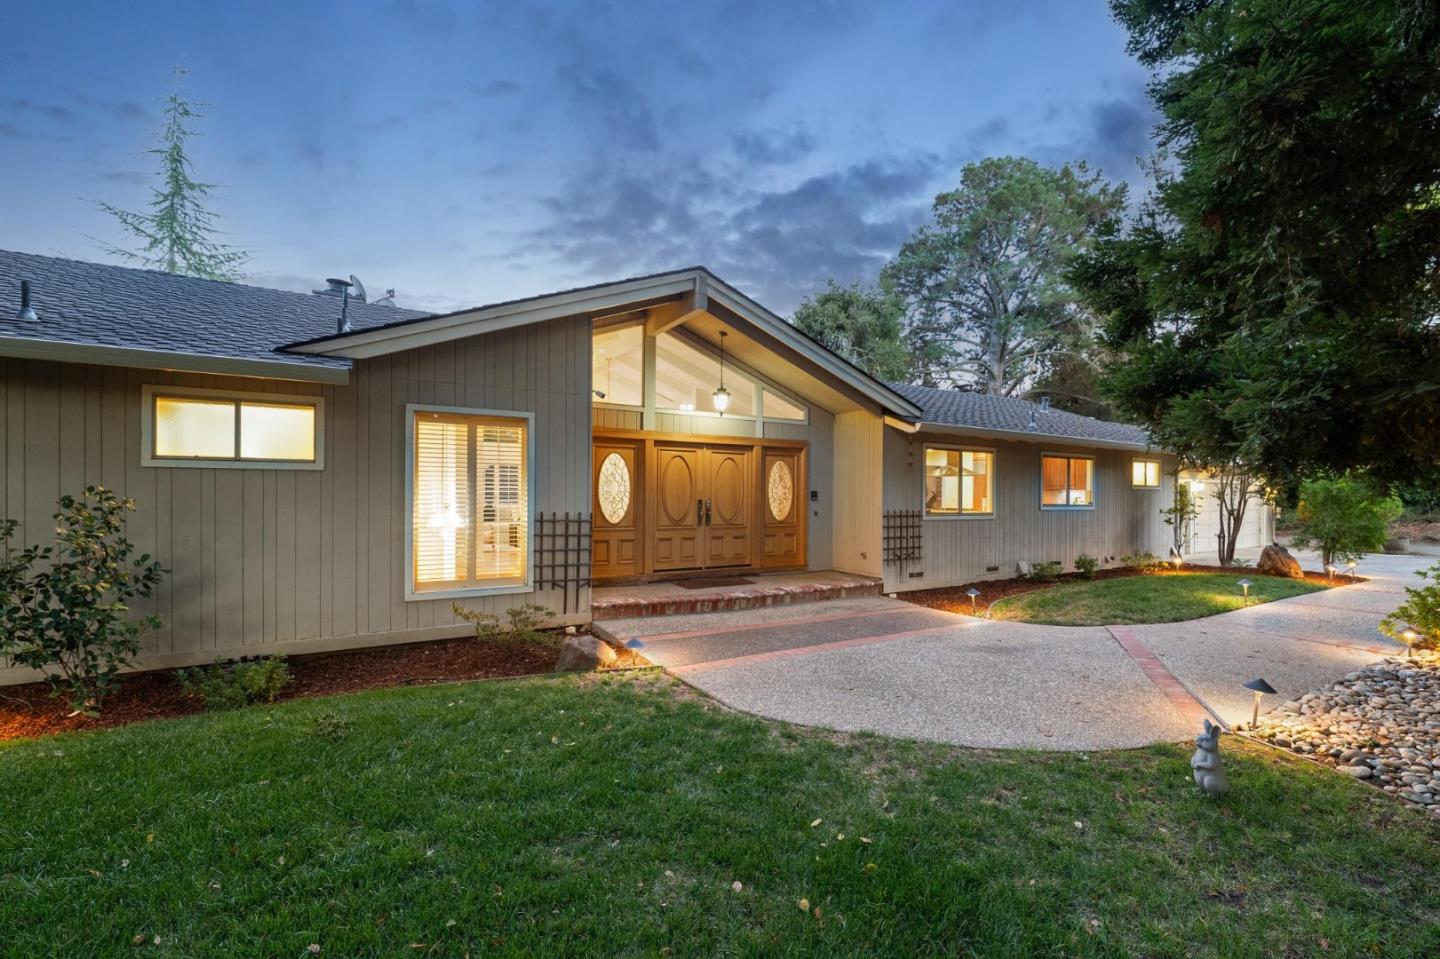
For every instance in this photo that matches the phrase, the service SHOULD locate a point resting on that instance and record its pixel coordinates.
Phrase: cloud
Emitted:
(50, 111)
(1119, 132)
(10, 131)
(773, 147)
(495, 88)
(622, 111)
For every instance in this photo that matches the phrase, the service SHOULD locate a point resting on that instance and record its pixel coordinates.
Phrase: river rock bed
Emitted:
(1380, 724)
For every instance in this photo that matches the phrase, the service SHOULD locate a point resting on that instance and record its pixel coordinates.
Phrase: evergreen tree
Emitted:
(177, 233)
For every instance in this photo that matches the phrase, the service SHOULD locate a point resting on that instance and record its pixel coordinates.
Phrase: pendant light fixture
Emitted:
(721, 396)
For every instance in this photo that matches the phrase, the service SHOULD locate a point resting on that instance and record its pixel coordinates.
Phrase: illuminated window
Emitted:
(777, 407)
(686, 375)
(617, 365)
(1067, 481)
(469, 501)
(1145, 474)
(185, 427)
(959, 482)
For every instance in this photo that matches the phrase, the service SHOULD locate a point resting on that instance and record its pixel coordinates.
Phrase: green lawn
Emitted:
(1155, 598)
(611, 816)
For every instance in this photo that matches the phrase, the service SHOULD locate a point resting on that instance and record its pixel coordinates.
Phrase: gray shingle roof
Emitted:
(982, 411)
(95, 304)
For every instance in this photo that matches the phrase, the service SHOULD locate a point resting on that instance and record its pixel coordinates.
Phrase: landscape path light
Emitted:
(1350, 567)
(973, 593)
(1410, 636)
(1260, 688)
(1245, 585)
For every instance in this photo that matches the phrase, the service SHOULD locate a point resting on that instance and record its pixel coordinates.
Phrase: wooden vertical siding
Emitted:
(960, 550)
(859, 446)
(293, 560)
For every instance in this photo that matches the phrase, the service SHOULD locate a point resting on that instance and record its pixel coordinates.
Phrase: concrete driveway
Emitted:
(887, 666)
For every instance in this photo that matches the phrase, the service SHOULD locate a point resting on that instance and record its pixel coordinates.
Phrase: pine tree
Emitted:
(177, 233)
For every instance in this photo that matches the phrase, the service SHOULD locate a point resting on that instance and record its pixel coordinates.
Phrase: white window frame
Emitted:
(994, 486)
(528, 586)
(1094, 481)
(148, 393)
(1159, 473)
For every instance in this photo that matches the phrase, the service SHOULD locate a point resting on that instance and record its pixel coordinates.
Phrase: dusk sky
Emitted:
(468, 153)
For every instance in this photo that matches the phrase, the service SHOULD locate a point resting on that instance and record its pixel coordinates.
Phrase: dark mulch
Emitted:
(28, 711)
(953, 599)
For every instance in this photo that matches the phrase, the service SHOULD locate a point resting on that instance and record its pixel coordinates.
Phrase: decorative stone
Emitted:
(1358, 772)
(1277, 561)
(580, 654)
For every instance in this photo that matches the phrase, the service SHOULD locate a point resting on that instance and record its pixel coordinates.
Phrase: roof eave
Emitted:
(60, 351)
(1027, 436)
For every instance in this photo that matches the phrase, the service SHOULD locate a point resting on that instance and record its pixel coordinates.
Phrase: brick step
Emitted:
(756, 596)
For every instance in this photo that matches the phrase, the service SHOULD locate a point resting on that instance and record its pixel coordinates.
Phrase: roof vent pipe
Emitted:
(342, 287)
(1044, 404)
(27, 312)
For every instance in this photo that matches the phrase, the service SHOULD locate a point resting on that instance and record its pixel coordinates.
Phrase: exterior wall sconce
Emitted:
(721, 396)
(1260, 688)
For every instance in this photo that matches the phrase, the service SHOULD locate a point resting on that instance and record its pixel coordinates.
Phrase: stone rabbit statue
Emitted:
(1205, 764)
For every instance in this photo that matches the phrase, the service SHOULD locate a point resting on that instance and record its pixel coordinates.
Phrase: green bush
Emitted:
(522, 624)
(1142, 562)
(64, 609)
(230, 685)
(1086, 565)
(1421, 612)
(1343, 517)
(1045, 571)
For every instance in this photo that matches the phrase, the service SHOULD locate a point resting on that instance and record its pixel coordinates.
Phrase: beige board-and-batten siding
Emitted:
(960, 550)
(284, 560)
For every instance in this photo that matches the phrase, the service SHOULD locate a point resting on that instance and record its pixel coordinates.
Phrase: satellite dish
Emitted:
(357, 289)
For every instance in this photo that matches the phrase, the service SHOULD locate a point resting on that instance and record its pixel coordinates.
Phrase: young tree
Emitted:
(988, 300)
(1282, 283)
(177, 233)
(1343, 517)
(862, 324)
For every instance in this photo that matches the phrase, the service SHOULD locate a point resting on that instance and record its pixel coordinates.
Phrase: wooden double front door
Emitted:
(667, 504)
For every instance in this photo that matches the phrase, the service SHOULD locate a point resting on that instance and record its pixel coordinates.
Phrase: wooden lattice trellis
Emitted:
(562, 555)
(902, 539)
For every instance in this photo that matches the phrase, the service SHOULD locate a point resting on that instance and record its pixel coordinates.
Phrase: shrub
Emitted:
(1045, 571)
(523, 623)
(70, 619)
(1343, 517)
(1143, 562)
(1420, 612)
(230, 685)
(1086, 565)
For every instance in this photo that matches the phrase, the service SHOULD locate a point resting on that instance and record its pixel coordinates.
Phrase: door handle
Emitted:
(699, 512)
(707, 512)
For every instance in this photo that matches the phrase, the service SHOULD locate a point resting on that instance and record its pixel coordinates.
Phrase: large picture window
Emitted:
(469, 501)
(213, 428)
(959, 482)
(1067, 481)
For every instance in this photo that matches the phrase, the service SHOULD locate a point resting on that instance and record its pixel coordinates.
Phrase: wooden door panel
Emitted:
(617, 533)
(729, 506)
(782, 484)
(679, 496)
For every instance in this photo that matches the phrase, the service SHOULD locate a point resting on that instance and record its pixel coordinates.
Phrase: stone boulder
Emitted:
(579, 654)
(1276, 561)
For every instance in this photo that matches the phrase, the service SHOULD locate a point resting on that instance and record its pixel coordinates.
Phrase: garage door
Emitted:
(1206, 527)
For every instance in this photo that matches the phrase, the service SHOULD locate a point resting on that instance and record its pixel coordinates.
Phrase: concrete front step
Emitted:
(667, 599)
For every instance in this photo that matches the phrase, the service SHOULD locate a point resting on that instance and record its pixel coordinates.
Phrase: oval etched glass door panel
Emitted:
(780, 490)
(612, 488)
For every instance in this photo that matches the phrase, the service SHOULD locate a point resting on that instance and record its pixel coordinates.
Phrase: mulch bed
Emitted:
(953, 599)
(29, 711)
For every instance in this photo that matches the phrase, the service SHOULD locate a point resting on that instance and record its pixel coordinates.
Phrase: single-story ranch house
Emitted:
(318, 472)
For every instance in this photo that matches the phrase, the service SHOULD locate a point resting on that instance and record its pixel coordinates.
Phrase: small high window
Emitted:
(686, 376)
(1067, 481)
(617, 365)
(777, 407)
(959, 482)
(212, 428)
(1145, 474)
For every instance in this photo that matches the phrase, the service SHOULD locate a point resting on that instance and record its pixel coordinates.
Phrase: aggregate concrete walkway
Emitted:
(887, 666)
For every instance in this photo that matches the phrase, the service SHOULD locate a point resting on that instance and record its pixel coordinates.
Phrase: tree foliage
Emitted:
(177, 233)
(989, 305)
(1276, 303)
(64, 608)
(1419, 615)
(863, 324)
(1343, 517)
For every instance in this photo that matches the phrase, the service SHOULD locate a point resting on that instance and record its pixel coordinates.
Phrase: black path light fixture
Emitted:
(1350, 567)
(1260, 688)
(1245, 585)
(721, 396)
(974, 594)
(1411, 637)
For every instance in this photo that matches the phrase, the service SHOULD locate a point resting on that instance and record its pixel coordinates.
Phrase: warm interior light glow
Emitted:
(276, 431)
(194, 427)
(1066, 481)
(959, 481)
(1145, 474)
(721, 399)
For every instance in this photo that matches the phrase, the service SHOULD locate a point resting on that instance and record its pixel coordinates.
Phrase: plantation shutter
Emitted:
(470, 500)
(441, 502)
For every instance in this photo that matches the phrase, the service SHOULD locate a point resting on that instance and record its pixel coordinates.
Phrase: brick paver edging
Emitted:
(1191, 707)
